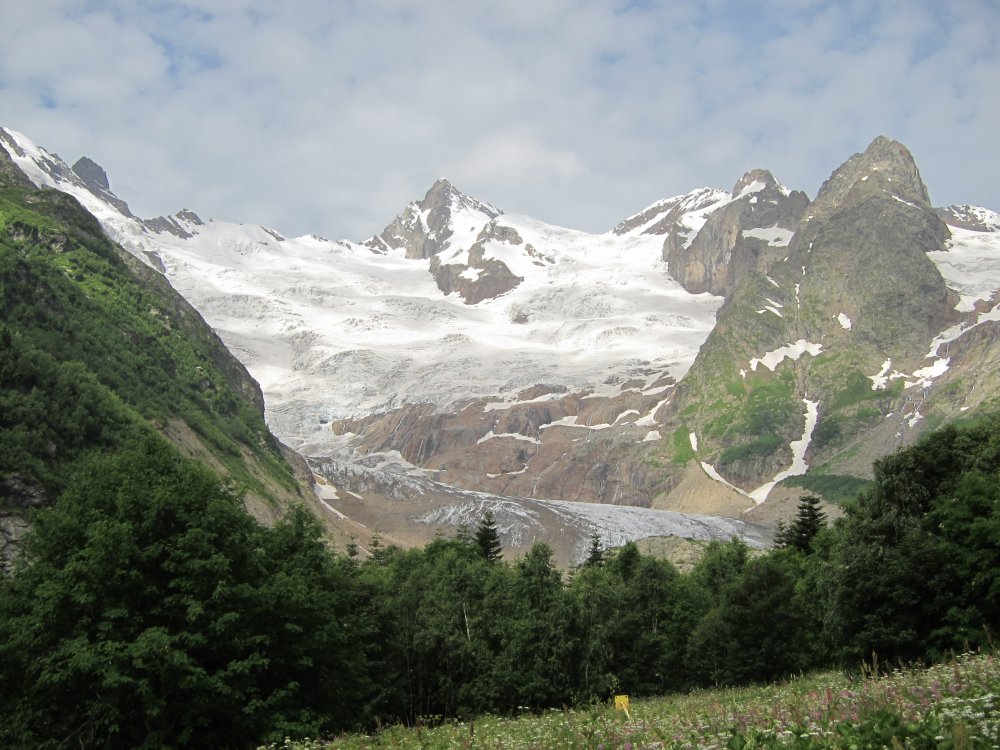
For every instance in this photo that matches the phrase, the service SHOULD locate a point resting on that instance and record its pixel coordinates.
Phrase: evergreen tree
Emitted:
(596, 555)
(782, 535)
(463, 534)
(488, 538)
(809, 519)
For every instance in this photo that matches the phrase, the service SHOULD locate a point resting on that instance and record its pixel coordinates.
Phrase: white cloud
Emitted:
(328, 118)
(514, 157)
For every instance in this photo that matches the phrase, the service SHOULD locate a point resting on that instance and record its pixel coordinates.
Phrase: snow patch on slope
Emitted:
(714, 474)
(970, 265)
(799, 448)
(775, 236)
(882, 377)
(792, 351)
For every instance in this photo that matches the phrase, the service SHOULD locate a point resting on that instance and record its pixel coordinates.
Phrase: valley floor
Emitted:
(950, 705)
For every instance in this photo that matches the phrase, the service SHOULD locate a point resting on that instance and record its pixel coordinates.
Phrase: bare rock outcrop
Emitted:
(424, 228)
(727, 247)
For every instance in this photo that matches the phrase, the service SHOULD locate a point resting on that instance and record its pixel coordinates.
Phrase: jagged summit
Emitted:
(886, 165)
(92, 173)
(755, 181)
(444, 217)
(95, 179)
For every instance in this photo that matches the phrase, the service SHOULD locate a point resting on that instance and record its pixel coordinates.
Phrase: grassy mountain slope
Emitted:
(96, 348)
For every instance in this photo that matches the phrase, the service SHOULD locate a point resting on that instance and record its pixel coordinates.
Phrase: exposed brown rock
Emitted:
(720, 255)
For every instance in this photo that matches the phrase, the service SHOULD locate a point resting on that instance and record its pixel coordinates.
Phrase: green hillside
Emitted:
(96, 348)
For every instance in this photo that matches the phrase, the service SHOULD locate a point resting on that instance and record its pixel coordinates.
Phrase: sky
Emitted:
(329, 117)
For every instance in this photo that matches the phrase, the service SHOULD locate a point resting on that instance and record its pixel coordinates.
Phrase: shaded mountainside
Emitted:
(97, 350)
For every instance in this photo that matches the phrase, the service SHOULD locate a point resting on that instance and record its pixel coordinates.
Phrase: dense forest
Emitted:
(149, 610)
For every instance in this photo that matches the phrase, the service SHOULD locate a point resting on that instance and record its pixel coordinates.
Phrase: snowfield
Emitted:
(333, 329)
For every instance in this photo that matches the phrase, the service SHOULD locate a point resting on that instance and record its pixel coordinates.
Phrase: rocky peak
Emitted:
(95, 179)
(444, 194)
(92, 174)
(748, 230)
(445, 216)
(886, 165)
(757, 180)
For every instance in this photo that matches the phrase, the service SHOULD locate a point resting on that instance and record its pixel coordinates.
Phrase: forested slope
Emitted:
(96, 348)
(150, 610)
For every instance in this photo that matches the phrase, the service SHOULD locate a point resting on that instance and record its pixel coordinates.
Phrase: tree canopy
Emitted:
(150, 610)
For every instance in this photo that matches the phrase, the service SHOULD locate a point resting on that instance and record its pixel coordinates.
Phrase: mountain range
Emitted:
(685, 375)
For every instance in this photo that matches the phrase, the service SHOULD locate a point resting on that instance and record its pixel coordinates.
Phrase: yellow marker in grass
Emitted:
(621, 704)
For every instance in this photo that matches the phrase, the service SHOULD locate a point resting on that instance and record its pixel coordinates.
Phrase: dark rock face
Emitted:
(885, 165)
(167, 225)
(13, 526)
(172, 225)
(480, 278)
(21, 493)
(17, 495)
(92, 174)
(722, 253)
(95, 179)
(864, 244)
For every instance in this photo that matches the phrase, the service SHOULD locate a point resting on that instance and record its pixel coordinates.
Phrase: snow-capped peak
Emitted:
(444, 218)
(975, 218)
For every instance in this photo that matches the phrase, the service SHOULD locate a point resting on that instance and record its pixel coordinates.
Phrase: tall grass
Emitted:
(953, 705)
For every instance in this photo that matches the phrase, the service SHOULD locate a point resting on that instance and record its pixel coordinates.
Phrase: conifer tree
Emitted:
(596, 555)
(488, 538)
(809, 519)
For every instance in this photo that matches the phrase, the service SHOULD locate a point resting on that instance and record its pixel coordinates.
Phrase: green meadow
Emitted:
(951, 705)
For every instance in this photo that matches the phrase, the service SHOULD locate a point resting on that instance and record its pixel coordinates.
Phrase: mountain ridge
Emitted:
(526, 360)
